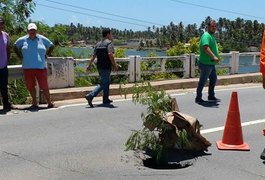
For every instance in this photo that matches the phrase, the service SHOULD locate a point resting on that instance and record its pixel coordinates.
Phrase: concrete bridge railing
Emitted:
(61, 70)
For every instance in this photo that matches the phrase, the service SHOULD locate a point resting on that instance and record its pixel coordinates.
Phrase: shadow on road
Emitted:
(104, 106)
(24, 109)
(176, 160)
(213, 104)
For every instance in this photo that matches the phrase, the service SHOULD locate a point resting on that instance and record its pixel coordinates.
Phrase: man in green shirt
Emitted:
(207, 60)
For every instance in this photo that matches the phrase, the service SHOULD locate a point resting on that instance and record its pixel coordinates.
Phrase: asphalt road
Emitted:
(77, 142)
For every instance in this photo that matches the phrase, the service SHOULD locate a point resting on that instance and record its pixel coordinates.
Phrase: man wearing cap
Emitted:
(4, 58)
(33, 49)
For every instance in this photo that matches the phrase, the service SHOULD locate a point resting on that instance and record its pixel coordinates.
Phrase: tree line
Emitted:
(233, 35)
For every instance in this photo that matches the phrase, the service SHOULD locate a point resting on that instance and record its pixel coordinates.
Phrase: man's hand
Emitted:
(88, 67)
(215, 59)
(115, 67)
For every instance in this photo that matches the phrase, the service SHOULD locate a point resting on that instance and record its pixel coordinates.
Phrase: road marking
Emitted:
(211, 130)
(171, 94)
(94, 103)
(222, 89)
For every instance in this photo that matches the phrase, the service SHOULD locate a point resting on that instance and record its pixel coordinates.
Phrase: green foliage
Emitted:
(58, 35)
(142, 140)
(63, 52)
(220, 48)
(123, 66)
(120, 53)
(145, 94)
(155, 133)
(119, 79)
(18, 92)
(223, 71)
(85, 81)
(178, 49)
(155, 66)
(194, 45)
(15, 14)
(82, 81)
(152, 54)
(158, 104)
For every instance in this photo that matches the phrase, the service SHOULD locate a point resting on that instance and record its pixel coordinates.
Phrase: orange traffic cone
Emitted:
(232, 137)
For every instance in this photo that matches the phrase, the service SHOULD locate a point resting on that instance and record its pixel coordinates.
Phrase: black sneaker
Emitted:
(33, 107)
(108, 101)
(214, 99)
(9, 107)
(199, 100)
(89, 99)
(262, 156)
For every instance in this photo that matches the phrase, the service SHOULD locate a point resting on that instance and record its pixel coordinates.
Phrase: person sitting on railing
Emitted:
(104, 52)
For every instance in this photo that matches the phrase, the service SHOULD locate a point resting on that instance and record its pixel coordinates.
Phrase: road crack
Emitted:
(41, 165)
(31, 161)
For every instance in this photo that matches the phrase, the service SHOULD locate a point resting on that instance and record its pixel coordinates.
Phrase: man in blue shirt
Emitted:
(33, 49)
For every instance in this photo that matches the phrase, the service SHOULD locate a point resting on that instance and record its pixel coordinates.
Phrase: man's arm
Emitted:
(114, 65)
(88, 67)
(18, 53)
(210, 53)
(49, 51)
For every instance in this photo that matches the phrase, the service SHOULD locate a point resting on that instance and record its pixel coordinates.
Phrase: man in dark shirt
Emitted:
(104, 52)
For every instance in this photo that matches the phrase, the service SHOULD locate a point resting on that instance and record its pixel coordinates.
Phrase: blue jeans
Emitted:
(104, 78)
(206, 71)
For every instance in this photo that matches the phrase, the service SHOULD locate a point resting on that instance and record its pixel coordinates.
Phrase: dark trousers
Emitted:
(3, 86)
(206, 71)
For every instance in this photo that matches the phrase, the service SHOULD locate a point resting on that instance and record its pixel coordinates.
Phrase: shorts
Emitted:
(30, 76)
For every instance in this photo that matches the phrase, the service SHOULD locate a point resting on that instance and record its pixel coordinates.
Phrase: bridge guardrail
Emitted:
(133, 68)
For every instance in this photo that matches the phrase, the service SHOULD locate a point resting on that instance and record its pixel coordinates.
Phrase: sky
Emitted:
(138, 15)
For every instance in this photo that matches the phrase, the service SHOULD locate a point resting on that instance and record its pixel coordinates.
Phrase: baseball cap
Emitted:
(32, 26)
